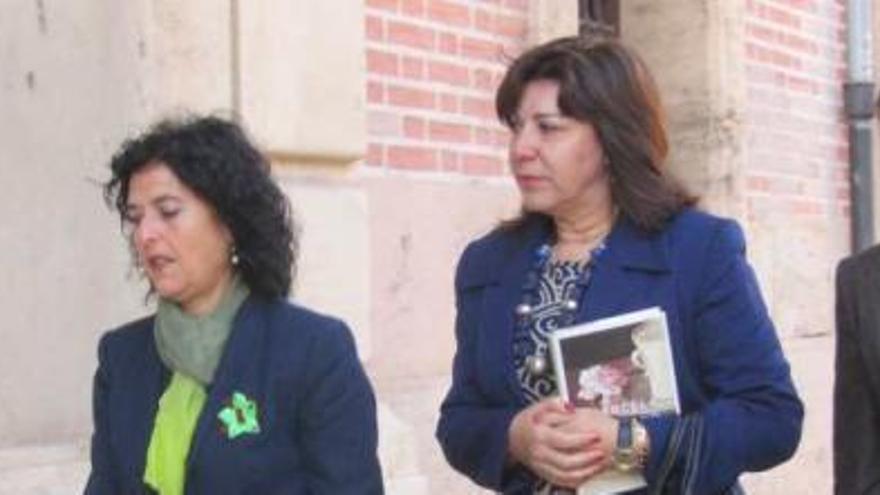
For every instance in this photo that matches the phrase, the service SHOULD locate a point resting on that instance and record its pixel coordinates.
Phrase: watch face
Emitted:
(624, 459)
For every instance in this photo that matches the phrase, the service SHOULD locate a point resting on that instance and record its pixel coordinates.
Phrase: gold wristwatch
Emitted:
(632, 445)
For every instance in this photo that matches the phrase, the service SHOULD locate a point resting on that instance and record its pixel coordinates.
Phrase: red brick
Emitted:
(379, 62)
(375, 92)
(778, 16)
(517, 4)
(374, 154)
(375, 28)
(449, 133)
(763, 33)
(478, 107)
(449, 13)
(485, 79)
(805, 5)
(484, 20)
(771, 56)
(412, 158)
(481, 49)
(800, 44)
(410, 97)
(413, 8)
(474, 164)
(411, 36)
(413, 68)
(502, 138)
(511, 26)
(447, 43)
(389, 5)
(449, 103)
(458, 75)
(802, 85)
(484, 136)
(414, 127)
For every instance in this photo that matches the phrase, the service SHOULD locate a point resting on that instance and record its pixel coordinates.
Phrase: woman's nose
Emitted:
(522, 146)
(145, 231)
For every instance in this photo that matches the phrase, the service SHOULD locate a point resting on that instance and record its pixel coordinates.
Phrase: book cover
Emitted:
(621, 365)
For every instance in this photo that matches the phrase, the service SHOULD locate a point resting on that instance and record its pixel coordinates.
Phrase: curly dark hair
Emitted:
(604, 83)
(215, 158)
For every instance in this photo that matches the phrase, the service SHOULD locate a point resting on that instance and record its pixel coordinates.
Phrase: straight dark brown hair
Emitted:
(605, 84)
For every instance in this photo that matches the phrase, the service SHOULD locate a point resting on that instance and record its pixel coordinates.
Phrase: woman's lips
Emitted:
(530, 181)
(157, 263)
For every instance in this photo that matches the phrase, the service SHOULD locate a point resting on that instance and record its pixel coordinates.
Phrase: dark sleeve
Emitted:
(473, 431)
(339, 432)
(856, 468)
(101, 478)
(752, 417)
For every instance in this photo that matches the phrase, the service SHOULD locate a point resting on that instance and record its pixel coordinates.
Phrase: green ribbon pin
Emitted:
(239, 417)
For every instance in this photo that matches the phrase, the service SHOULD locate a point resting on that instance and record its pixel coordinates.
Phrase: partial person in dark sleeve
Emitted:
(857, 376)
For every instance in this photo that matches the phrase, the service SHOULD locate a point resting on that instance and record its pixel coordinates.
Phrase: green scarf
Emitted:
(191, 347)
(176, 420)
(193, 344)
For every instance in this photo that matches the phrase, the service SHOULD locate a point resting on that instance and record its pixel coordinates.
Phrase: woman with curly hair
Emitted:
(227, 388)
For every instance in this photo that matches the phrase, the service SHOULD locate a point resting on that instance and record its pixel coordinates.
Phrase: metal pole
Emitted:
(859, 101)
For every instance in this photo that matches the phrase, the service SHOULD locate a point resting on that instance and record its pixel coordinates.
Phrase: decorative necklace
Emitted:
(530, 354)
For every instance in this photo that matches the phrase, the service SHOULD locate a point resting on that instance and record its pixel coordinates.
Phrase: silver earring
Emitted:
(233, 257)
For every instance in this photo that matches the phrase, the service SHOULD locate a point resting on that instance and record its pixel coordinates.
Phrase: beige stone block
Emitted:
(795, 264)
(334, 257)
(697, 61)
(549, 19)
(70, 89)
(187, 53)
(809, 471)
(419, 229)
(398, 454)
(302, 77)
(50, 470)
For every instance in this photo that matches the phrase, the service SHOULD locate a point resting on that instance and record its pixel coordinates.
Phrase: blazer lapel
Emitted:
(500, 298)
(235, 368)
(144, 403)
(618, 281)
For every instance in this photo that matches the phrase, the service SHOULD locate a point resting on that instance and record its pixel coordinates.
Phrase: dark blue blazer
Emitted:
(740, 411)
(316, 409)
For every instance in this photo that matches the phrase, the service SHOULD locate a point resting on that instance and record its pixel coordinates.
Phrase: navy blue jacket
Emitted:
(740, 411)
(316, 409)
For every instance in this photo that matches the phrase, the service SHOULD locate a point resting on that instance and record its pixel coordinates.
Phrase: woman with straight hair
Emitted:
(605, 230)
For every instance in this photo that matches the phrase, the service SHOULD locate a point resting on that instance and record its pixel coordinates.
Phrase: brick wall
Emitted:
(797, 147)
(433, 66)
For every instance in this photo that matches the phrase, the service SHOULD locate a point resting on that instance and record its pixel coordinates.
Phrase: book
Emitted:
(623, 366)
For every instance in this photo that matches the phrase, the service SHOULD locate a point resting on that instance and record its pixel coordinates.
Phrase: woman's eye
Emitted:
(168, 214)
(547, 127)
(131, 219)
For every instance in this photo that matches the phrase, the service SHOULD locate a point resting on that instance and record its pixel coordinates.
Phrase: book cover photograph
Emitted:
(621, 365)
